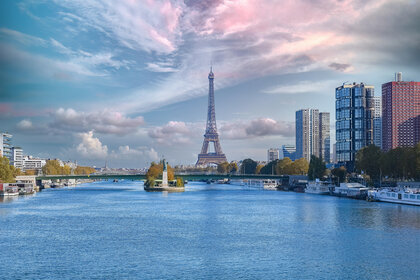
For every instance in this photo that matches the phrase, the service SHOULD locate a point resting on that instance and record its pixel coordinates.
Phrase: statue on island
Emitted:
(167, 183)
(164, 174)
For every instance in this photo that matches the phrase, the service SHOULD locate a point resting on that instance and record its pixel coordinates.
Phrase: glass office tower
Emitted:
(354, 121)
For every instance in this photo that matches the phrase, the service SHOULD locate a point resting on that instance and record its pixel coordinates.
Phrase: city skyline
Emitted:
(127, 83)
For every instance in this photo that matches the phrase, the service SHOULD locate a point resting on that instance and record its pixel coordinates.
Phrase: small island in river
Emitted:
(167, 182)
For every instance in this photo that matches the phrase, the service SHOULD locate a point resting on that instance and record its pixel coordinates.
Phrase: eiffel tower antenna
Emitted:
(211, 135)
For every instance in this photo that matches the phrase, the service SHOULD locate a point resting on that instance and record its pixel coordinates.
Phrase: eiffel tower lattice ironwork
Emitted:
(211, 135)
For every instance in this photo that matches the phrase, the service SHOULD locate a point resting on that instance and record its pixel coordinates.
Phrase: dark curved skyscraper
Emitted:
(211, 135)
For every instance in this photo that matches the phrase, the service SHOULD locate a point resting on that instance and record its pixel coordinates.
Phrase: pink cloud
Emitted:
(20, 110)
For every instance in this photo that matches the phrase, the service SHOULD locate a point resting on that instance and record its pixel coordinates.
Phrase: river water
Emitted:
(107, 230)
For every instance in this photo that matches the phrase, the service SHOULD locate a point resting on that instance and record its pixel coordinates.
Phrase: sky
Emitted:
(127, 81)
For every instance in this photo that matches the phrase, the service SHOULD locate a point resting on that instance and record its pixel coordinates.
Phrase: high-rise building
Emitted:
(273, 154)
(377, 122)
(324, 136)
(303, 134)
(354, 121)
(289, 151)
(312, 134)
(334, 157)
(17, 161)
(6, 146)
(400, 113)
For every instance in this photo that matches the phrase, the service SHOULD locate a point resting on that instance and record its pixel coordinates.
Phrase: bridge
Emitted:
(189, 177)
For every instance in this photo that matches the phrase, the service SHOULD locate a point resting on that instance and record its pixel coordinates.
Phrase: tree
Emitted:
(83, 170)
(283, 166)
(233, 167)
(368, 160)
(7, 171)
(179, 182)
(156, 170)
(258, 169)
(400, 163)
(52, 167)
(248, 166)
(269, 168)
(223, 167)
(340, 173)
(30, 172)
(316, 168)
(300, 167)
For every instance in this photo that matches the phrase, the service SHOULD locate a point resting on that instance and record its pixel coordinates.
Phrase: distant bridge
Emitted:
(189, 177)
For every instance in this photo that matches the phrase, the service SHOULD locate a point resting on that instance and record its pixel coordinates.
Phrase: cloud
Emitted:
(90, 60)
(302, 87)
(160, 67)
(74, 63)
(25, 124)
(149, 26)
(35, 66)
(105, 122)
(174, 132)
(244, 39)
(91, 147)
(248, 40)
(127, 152)
(256, 128)
(152, 154)
(21, 37)
(340, 66)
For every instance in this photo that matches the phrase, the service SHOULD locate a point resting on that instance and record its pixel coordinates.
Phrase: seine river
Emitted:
(107, 230)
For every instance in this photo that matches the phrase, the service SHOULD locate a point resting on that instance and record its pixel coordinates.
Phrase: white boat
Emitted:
(8, 190)
(352, 190)
(266, 184)
(318, 187)
(402, 196)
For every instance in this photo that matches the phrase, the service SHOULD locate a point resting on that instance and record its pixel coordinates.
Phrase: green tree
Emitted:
(300, 167)
(269, 168)
(400, 163)
(316, 168)
(7, 171)
(340, 173)
(233, 167)
(283, 166)
(248, 166)
(368, 160)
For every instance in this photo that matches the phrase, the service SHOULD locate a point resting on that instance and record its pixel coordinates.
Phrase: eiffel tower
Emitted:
(211, 135)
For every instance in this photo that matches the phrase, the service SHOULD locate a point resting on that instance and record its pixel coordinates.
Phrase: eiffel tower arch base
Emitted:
(210, 158)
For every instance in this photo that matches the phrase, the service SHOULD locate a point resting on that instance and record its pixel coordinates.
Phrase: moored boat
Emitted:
(396, 195)
(266, 184)
(8, 189)
(318, 187)
(351, 190)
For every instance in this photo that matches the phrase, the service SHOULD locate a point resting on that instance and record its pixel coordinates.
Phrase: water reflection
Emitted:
(8, 199)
